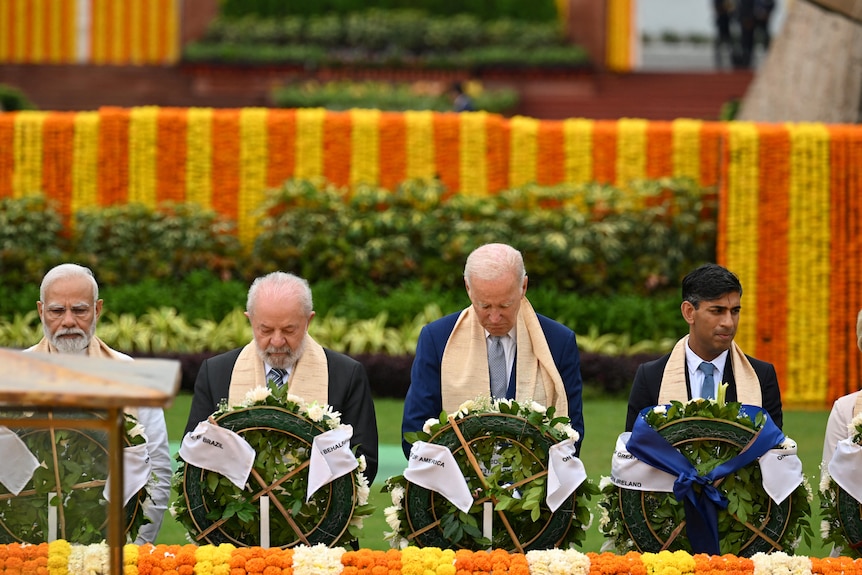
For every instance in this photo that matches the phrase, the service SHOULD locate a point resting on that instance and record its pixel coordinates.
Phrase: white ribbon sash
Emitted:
(565, 473)
(433, 467)
(331, 458)
(136, 472)
(16, 476)
(845, 467)
(220, 450)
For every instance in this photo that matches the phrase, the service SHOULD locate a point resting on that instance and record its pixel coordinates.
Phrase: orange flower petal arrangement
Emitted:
(61, 558)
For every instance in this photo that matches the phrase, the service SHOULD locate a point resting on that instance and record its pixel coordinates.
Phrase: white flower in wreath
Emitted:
(468, 407)
(568, 430)
(295, 399)
(316, 412)
(499, 402)
(397, 495)
(428, 423)
(660, 409)
(604, 482)
(363, 465)
(604, 519)
(137, 431)
(825, 529)
(256, 395)
(537, 407)
(825, 478)
(787, 445)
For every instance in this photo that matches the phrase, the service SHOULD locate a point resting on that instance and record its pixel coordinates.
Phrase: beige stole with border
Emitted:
(464, 368)
(308, 380)
(98, 349)
(857, 407)
(673, 385)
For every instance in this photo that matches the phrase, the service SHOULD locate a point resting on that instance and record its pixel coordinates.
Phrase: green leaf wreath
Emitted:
(841, 523)
(708, 433)
(74, 462)
(510, 442)
(281, 428)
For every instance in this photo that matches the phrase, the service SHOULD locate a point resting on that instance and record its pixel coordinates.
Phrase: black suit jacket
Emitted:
(349, 393)
(648, 381)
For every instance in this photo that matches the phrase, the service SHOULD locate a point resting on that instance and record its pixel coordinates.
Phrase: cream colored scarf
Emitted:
(673, 385)
(97, 348)
(464, 368)
(857, 407)
(308, 380)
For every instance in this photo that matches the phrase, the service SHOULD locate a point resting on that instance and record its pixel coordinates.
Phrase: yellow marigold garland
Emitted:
(130, 559)
(668, 563)
(472, 159)
(631, 153)
(742, 218)
(309, 142)
(365, 147)
(522, 165)
(142, 155)
(427, 561)
(28, 153)
(252, 171)
(85, 159)
(420, 144)
(578, 150)
(808, 265)
(199, 157)
(686, 149)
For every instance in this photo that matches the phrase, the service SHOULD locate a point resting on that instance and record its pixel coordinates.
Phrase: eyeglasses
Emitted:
(55, 312)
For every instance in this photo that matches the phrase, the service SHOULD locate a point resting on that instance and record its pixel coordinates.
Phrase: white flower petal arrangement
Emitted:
(281, 428)
(509, 444)
(841, 514)
(707, 433)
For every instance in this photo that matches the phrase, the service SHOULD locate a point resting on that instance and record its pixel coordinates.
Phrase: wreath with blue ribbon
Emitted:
(718, 504)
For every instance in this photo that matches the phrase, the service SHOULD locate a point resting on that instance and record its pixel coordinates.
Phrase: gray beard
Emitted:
(284, 362)
(69, 345)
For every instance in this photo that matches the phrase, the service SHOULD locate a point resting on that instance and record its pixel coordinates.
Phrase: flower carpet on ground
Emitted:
(61, 558)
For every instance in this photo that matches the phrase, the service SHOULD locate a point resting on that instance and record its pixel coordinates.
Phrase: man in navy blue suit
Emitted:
(711, 305)
(541, 360)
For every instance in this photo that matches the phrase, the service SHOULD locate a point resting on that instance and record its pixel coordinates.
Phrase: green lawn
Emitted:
(604, 419)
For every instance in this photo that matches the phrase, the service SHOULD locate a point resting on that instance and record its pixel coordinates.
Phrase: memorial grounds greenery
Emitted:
(382, 263)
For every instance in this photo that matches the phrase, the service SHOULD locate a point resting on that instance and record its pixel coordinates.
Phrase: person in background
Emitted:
(280, 309)
(844, 409)
(457, 355)
(69, 307)
(462, 102)
(708, 355)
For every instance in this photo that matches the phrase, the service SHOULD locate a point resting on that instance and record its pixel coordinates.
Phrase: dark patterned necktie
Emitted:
(275, 376)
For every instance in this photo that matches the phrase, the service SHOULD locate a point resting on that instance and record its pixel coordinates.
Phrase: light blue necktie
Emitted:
(497, 367)
(276, 376)
(708, 389)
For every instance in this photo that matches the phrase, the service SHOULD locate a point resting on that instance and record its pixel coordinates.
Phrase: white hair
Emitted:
(492, 261)
(280, 284)
(64, 271)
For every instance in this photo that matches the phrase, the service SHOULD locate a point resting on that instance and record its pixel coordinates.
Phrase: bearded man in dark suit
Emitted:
(279, 308)
(707, 356)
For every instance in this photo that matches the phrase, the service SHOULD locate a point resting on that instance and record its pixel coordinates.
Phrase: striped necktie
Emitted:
(497, 367)
(275, 376)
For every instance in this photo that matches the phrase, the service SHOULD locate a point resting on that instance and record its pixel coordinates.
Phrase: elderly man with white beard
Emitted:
(279, 307)
(69, 307)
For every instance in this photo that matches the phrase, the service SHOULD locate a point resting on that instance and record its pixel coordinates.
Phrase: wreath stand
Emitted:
(43, 383)
(461, 436)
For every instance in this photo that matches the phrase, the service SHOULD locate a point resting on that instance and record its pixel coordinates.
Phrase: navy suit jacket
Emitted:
(648, 381)
(424, 398)
(349, 393)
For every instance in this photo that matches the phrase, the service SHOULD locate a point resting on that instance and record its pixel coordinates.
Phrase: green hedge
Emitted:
(591, 240)
(409, 38)
(542, 10)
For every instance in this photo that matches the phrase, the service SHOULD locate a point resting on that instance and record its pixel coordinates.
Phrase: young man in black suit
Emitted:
(707, 356)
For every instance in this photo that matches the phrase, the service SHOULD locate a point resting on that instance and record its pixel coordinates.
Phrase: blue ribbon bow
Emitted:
(700, 505)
